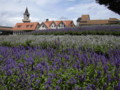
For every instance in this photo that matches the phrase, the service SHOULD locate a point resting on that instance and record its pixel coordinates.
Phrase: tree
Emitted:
(113, 5)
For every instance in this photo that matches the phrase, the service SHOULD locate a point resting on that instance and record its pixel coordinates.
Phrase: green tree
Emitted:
(113, 5)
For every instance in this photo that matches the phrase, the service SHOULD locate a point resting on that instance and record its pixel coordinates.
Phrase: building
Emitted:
(56, 24)
(27, 25)
(5, 30)
(85, 20)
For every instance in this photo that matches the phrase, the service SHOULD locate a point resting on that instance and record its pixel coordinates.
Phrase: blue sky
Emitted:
(11, 11)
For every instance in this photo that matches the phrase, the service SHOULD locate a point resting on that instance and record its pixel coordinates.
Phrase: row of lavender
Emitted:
(35, 68)
(97, 42)
(82, 30)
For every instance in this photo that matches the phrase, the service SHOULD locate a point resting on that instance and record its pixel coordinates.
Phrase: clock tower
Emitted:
(26, 16)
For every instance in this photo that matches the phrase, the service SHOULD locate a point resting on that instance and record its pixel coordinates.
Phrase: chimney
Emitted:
(47, 20)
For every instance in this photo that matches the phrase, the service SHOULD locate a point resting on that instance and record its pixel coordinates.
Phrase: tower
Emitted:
(26, 16)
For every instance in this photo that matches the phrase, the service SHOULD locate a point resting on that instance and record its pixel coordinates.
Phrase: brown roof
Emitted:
(113, 19)
(85, 18)
(3, 28)
(97, 22)
(26, 26)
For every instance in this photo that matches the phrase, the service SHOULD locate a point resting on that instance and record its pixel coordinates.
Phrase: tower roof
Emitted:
(26, 12)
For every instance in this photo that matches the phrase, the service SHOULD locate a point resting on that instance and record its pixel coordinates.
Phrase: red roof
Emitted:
(57, 22)
(26, 26)
(67, 23)
(48, 23)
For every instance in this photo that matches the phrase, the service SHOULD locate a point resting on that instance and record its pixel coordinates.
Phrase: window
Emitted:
(83, 21)
(19, 26)
(27, 26)
(31, 25)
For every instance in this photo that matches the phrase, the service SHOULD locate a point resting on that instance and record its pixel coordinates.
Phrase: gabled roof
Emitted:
(48, 23)
(26, 26)
(67, 23)
(57, 22)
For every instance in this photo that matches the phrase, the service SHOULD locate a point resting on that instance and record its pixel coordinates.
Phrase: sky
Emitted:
(11, 11)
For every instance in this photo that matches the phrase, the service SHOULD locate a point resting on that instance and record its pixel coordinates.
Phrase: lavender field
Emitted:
(59, 62)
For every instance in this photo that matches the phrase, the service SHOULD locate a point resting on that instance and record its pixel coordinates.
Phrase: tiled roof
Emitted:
(26, 26)
(85, 18)
(57, 22)
(67, 23)
(97, 22)
(6, 28)
(113, 19)
(48, 23)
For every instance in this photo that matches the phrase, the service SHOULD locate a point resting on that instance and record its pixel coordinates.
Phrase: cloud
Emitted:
(95, 10)
(44, 2)
(71, 0)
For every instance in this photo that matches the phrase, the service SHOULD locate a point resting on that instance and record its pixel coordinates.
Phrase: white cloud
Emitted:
(95, 10)
(44, 2)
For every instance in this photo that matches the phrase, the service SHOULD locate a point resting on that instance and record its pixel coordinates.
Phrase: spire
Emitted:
(26, 12)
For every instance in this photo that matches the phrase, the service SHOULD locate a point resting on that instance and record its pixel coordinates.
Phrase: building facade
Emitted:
(56, 24)
(85, 20)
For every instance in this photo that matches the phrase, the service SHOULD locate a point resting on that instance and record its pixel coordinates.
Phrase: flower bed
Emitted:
(38, 68)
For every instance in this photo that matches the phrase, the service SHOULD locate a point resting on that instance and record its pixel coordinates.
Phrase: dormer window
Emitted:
(19, 26)
(31, 25)
(27, 26)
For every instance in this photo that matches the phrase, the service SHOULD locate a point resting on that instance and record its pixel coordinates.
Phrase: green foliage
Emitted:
(5, 43)
(27, 43)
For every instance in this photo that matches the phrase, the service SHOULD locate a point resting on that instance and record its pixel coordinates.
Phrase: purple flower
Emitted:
(49, 81)
(29, 60)
(88, 87)
(21, 65)
(57, 88)
(72, 80)
(9, 72)
(66, 57)
(105, 69)
(59, 81)
(98, 74)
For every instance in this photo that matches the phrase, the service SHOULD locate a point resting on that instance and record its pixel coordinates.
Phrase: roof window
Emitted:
(19, 26)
